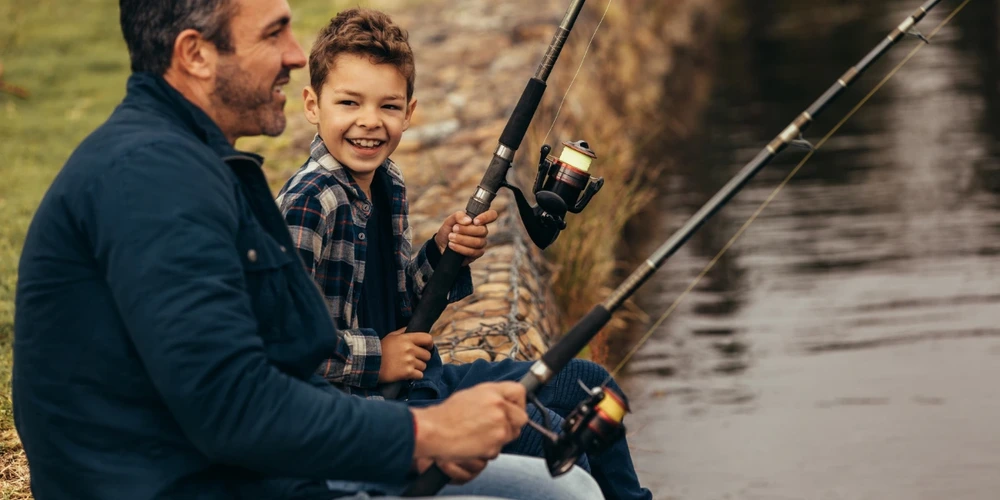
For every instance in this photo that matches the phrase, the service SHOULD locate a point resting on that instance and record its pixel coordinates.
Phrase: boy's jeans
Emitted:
(613, 469)
(508, 477)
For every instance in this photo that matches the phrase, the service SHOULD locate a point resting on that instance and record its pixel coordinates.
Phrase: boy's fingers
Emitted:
(423, 354)
(486, 217)
(459, 217)
(474, 242)
(420, 365)
(421, 339)
(464, 251)
(479, 231)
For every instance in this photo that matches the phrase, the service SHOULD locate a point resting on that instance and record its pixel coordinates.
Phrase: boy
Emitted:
(347, 211)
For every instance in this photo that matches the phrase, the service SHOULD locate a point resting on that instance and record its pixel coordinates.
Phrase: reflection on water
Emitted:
(848, 346)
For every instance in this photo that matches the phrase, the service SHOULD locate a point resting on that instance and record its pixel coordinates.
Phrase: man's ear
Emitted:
(311, 104)
(409, 113)
(194, 55)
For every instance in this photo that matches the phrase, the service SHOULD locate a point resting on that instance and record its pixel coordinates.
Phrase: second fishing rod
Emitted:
(567, 348)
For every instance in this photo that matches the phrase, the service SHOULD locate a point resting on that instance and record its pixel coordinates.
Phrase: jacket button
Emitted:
(361, 236)
(252, 255)
(282, 247)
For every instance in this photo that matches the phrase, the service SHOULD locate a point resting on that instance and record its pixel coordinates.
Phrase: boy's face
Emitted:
(361, 114)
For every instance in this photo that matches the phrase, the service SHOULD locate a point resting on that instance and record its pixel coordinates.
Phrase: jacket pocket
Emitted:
(266, 266)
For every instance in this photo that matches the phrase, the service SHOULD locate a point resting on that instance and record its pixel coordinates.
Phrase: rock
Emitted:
(470, 356)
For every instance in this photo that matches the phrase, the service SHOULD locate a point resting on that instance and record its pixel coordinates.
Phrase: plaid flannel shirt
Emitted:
(327, 214)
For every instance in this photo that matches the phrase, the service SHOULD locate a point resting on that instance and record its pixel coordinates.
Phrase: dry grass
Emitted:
(14, 477)
(616, 104)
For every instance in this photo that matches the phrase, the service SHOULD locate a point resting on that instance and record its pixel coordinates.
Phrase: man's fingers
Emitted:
(462, 471)
(513, 392)
(517, 417)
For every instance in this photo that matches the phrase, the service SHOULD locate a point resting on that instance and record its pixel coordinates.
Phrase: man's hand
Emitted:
(404, 356)
(473, 423)
(460, 471)
(465, 235)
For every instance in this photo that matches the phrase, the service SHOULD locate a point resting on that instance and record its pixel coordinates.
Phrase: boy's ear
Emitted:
(311, 101)
(409, 113)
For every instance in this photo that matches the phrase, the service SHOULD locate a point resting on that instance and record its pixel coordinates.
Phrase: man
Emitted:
(166, 338)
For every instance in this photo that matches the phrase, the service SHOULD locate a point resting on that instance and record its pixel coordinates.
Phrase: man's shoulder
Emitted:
(129, 137)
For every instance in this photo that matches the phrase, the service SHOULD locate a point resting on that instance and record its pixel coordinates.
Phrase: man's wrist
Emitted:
(425, 442)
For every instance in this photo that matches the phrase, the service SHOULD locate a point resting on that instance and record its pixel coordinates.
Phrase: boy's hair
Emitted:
(365, 32)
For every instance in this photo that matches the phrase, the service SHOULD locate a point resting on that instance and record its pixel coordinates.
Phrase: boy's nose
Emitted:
(368, 119)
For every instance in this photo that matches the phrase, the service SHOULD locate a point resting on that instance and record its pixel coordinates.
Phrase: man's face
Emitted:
(361, 113)
(248, 81)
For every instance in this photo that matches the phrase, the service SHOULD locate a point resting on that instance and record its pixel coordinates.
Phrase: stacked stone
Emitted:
(471, 68)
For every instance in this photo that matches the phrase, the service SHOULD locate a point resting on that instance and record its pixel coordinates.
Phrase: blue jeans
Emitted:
(613, 468)
(507, 477)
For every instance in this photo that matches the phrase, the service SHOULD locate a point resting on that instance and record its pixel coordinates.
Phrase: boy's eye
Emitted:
(391, 106)
(346, 102)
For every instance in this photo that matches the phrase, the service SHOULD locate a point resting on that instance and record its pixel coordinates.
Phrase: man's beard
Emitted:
(253, 110)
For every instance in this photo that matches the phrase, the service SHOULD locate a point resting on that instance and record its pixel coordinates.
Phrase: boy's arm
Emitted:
(357, 358)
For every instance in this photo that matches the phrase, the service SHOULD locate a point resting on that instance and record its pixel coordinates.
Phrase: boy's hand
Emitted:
(404, 356)
(464, 235)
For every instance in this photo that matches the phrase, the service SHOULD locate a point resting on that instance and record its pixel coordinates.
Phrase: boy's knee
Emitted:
(589, 372)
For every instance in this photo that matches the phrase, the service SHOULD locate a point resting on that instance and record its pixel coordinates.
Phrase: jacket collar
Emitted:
(151, 92)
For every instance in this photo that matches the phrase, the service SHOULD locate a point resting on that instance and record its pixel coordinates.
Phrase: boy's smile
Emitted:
(361, 112)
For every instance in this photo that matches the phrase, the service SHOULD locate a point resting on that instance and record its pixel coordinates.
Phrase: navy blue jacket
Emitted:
(166, 333)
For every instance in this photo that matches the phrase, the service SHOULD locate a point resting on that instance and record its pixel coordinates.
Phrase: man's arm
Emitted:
(357, 358)
(167, 244)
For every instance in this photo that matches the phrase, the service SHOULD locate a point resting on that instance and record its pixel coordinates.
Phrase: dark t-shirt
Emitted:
(378, 306)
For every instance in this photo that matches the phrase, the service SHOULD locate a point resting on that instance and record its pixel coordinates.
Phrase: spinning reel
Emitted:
(558, 187)
(592, 426)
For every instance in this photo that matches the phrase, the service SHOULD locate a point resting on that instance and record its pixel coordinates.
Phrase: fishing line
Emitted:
(578, 68)
(652, 329)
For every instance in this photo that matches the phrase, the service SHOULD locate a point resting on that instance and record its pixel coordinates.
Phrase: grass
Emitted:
(71, 58)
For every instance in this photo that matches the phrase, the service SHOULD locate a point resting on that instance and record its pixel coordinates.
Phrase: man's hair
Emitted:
(150, 28)
(363, 32)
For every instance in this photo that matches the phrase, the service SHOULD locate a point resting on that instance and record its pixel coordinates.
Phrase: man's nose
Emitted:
(295, 57)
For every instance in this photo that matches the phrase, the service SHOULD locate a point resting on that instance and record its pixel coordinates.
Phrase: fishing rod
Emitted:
(597, 421)
(562, 185)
